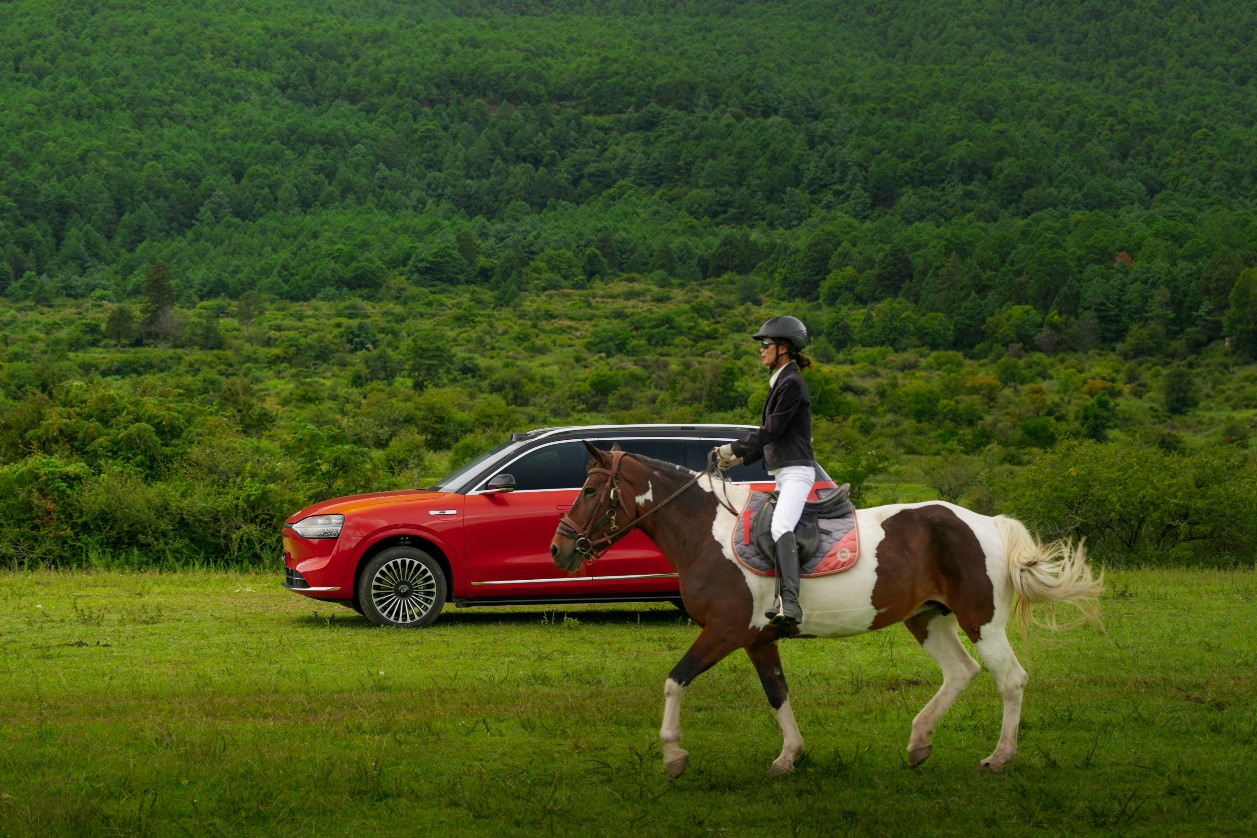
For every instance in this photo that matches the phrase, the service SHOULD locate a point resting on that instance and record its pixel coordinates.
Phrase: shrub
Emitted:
(1178, 391)
(1097, 416)
(38, 508)
(329, 464)
(919, 402)
(1138, 504)
(1037, 431)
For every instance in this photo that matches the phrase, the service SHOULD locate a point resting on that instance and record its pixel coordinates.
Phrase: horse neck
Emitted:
(672, 527)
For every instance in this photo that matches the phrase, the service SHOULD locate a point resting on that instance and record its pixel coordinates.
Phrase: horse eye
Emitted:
(589, 490)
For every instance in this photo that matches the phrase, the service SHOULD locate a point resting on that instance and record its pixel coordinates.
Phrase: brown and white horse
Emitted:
(931, 566)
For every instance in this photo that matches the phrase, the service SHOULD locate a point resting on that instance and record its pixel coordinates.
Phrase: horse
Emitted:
(932, 566)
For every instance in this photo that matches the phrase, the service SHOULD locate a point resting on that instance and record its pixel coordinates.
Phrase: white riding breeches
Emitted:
(794, 483)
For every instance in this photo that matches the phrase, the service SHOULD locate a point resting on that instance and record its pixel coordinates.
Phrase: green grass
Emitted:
(210, 703)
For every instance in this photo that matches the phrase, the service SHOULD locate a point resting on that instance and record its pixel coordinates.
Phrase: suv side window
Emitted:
(669, 450)
(558, 466)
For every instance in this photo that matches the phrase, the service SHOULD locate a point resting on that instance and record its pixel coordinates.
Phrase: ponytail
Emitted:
(800, 360)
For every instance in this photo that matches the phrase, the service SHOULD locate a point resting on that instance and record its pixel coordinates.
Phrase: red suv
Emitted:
(482, 535)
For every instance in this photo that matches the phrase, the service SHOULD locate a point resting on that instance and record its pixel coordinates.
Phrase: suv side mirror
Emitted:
(500, 483)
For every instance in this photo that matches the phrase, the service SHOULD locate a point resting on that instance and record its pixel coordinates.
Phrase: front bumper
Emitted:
(318, 568)
(294, 581)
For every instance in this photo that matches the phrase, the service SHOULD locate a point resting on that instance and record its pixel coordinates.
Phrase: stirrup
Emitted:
(778, 616)
(777, 613)
(785, 626)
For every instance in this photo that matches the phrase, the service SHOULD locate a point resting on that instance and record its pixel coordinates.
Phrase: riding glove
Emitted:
(725, 457)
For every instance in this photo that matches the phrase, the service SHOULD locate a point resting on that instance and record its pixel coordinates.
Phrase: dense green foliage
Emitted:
(1089, 160)
(192, 450)
(254, 255)
(1139, 500)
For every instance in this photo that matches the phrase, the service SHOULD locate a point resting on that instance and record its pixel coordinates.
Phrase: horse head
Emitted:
(598, 513)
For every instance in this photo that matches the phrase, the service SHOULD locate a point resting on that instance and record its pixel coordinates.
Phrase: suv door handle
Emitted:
(564, 507)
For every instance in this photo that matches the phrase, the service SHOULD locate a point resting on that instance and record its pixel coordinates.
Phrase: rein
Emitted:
(590, 549)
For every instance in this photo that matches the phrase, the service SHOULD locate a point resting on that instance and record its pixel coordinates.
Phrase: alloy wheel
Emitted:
(404, 590)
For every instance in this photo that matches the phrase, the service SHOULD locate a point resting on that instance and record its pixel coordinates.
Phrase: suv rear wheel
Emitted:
(402, 586)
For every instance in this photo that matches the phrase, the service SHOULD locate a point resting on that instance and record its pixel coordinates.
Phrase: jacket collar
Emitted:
(772, 381)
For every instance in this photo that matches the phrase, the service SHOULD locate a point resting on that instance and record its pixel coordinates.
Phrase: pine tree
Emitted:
(158, 291)
(120, 325)
(1240, 320)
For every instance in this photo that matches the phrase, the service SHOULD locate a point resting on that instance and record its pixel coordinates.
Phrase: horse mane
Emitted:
(662, 465)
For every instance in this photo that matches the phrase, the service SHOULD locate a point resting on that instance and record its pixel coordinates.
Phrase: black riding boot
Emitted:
(787, 612)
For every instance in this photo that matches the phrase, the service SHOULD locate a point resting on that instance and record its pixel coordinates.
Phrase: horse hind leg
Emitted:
(936, 633)
(997, 654)
(767, 661)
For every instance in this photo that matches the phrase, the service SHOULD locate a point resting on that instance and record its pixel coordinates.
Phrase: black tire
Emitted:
(680, 604)
(402, 587)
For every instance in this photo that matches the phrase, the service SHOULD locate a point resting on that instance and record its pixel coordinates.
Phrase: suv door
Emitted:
(507, 535)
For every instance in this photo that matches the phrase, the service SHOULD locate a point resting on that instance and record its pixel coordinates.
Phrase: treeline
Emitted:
(191, 437)
(1091, 163)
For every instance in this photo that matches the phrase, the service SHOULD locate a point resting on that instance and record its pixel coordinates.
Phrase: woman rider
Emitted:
(784, 441)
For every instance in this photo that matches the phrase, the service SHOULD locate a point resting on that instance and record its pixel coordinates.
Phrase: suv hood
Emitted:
(353, 503)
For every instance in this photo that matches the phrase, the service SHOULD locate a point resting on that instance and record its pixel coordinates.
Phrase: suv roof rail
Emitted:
(520, 436)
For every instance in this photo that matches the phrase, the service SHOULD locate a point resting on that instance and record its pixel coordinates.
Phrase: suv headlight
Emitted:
(320, 526)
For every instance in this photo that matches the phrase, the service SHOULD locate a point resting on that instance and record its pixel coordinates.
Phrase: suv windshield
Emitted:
(454, 479)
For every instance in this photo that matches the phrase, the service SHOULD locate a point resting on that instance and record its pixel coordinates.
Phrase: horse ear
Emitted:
(615, 446)
(599, 456)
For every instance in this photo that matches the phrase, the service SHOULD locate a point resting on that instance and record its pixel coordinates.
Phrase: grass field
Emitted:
(209, 703)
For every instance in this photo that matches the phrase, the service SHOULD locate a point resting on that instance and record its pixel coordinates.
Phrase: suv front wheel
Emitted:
(402, 586)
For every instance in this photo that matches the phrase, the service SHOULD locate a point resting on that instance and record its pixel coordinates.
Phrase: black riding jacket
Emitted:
(784, 437)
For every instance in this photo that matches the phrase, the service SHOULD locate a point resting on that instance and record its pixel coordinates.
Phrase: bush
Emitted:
(329, 464)
(1178, 391)
(1138, 504)
(38, 508)
(1097, 416)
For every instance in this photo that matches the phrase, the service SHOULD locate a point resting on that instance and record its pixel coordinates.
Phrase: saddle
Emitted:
(837, 504)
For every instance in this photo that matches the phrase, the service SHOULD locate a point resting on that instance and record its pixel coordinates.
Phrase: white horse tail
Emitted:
(1049, 574)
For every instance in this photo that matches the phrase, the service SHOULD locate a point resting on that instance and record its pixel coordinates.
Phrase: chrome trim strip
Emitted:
(578, 579)
(645, 426)
(442, 511)
(482, 492)
(640, 576)
(314, 590)
(512, 451)
(534, 581)
(505, 465)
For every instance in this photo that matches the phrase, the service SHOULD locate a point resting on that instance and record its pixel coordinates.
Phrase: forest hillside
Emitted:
(253, 255)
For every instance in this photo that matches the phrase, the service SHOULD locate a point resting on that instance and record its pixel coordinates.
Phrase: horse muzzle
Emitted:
(567, 553)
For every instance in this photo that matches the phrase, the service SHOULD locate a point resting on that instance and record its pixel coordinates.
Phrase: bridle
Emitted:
(591, 548)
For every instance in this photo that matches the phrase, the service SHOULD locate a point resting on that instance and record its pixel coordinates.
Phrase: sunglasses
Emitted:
(767, 343)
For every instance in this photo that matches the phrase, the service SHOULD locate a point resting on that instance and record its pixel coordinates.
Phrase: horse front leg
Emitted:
(767, 661)
(710, 648)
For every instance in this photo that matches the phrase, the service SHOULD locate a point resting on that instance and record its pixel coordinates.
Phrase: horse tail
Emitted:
(1049, 574)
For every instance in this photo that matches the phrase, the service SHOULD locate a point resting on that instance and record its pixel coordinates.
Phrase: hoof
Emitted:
(988, 767)
(918, 754)
(780, 767)
(677, 766)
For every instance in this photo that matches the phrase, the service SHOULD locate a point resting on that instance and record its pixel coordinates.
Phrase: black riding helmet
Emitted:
(787, 328)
